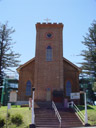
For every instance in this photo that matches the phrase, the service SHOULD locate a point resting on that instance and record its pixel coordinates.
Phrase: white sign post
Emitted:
(8, 107)
(75, 96)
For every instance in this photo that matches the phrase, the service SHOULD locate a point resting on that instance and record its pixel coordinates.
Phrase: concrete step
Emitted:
(47, 104)
(45, 118)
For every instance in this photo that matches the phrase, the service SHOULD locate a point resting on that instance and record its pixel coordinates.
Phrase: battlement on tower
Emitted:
(41, 25)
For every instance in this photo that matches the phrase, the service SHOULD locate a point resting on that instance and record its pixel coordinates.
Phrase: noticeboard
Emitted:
(13, 96)
(75, 95)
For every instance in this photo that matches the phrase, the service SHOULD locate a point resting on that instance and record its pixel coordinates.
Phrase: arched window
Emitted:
(49, 53)
(28, 88)
(68, 88)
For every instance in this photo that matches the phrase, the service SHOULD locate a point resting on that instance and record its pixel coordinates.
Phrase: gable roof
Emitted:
(25, 64)
(28, 62)
(73, 65)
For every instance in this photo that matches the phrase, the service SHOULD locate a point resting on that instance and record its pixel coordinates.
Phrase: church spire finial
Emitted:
(47, 20)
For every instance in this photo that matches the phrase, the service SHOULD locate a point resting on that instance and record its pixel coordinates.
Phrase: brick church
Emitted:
(48, 70)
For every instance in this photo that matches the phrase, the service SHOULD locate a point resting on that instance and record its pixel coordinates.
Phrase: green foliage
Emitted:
(91, 95)
(17, 119)
(23, 111)
(94, 87)
(87, 84)
(8, 115)
(8, 58)
(2, 122)
(89, 55)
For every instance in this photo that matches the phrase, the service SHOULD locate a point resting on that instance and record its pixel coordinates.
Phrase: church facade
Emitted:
(48, 70)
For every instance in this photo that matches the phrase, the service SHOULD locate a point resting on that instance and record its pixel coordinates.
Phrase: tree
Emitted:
(86, 84)
(8, 58)
(94, 87)
(89, 64)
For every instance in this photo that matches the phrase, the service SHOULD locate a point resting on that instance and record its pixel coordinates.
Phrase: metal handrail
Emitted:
(80, 115)
(56, 112)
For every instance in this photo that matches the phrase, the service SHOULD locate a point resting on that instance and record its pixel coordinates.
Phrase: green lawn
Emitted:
(91, 110)
(24, 111)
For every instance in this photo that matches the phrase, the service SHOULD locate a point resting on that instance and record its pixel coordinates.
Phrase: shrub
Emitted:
(8, 115)
(17, 119)
(2, 122)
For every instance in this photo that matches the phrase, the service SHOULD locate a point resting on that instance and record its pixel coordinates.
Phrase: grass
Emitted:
(24, 111)
(91, 111)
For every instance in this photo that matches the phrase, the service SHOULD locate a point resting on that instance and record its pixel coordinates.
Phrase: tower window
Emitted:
(68, 88)
(28, 88)
(49, 35)
(49, 53)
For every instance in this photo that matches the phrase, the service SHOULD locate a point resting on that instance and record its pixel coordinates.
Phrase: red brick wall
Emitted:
(48, 74)
(25, 74)
(71, 74)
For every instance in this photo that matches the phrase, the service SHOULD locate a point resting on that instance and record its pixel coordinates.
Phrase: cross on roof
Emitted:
(47, 20)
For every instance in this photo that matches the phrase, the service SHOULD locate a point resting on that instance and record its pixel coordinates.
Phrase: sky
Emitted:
(76, 15)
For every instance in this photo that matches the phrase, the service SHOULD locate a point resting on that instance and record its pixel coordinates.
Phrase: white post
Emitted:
(86, 116)
(33, 115)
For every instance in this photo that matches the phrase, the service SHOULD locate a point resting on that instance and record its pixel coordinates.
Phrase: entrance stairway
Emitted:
(69, 119)
(45, 117)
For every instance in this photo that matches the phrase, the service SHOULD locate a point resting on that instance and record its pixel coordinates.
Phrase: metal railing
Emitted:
(80, 115)
(56, 112)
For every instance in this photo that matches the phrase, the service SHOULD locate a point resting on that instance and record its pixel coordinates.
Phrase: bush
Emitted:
(2, 122)
(8, 115)
(17, 119)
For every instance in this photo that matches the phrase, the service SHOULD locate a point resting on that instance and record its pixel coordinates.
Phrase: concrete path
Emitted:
(86, 127)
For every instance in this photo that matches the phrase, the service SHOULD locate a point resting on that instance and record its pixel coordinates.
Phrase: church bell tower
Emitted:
(48, 59)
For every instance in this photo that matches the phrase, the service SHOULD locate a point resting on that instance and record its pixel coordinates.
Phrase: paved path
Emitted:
(86, 127)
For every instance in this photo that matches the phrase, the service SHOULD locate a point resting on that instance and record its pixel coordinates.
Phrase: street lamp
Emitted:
(33, 115)
(86, 116)
(85, 102)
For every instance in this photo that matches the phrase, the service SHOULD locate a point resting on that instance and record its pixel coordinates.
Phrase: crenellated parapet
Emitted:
(41, 25)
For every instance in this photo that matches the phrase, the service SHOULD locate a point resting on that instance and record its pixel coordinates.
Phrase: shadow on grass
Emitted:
(83, 107)
(15, 106)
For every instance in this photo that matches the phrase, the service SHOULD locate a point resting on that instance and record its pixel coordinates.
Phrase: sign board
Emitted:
(9, 105)
(13, 96)
(75, 95)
